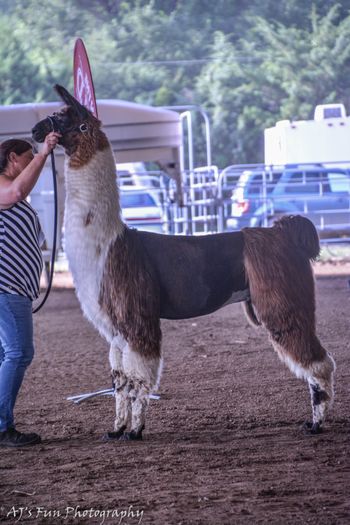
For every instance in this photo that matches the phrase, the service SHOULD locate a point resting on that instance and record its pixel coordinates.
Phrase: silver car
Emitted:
(141, 208)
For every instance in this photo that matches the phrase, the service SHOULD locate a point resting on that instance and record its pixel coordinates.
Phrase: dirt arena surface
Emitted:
(222, 446)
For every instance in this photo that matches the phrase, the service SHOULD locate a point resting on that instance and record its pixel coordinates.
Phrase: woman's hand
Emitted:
(50, 142)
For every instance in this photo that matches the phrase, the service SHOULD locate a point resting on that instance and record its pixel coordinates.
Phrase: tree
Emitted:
(248, 64)
(280, 72)
(18, 76)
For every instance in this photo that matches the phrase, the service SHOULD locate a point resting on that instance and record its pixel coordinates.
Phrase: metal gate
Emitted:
(199, 213)
(256, 195)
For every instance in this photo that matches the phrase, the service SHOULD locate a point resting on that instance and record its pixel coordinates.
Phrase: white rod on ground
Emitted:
(108, 392)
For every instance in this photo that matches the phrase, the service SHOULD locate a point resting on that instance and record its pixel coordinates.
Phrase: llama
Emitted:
(127, 280)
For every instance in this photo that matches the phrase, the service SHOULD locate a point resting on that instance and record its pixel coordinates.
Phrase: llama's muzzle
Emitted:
(41, 129)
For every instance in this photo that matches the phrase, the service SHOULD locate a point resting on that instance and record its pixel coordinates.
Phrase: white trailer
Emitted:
(325, 139)
(137, 133)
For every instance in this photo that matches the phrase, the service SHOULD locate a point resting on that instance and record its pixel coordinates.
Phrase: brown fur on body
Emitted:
(130, 296)
(148, 276)
(281, 283)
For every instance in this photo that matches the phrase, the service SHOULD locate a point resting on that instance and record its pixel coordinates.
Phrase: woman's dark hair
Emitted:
(17, 146)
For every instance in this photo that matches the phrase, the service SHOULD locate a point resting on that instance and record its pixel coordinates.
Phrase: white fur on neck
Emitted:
(91, 193)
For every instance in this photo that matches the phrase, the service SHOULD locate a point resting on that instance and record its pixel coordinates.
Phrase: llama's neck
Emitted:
(92, 199)
(92, 223)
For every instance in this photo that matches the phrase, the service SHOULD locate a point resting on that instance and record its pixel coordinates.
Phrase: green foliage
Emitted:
(247, 64)
(19, 77)
(280, 72)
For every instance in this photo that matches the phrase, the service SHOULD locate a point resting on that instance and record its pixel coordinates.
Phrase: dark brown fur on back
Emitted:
(130, 295)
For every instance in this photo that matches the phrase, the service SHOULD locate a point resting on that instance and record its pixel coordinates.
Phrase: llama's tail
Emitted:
(301, 232)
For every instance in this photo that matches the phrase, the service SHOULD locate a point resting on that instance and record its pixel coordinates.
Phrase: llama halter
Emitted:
(82, 128)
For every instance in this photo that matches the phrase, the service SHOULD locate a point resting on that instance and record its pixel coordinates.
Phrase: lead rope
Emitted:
(53, 254)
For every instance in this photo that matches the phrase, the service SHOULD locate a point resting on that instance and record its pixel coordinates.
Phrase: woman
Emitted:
(20, 269)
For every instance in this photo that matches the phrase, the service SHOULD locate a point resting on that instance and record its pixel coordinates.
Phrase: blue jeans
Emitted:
(16, 351)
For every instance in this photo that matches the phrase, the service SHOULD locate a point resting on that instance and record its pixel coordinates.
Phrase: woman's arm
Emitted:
(16, 189)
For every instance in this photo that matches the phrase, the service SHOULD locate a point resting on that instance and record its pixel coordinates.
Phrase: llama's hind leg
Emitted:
(143, 376)
(308, 360)
(121, 390)
(322, 392)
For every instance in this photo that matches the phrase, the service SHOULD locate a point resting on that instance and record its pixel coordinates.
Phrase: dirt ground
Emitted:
(223, 444)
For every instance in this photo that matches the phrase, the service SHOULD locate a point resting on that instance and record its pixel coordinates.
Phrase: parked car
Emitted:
(322, 194)
(141, 208)
(249, 195)
(136, 174)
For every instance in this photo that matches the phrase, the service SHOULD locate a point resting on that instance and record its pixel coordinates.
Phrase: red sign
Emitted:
(84, 90)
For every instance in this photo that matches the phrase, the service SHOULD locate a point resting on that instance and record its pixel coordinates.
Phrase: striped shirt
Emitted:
(20, 255)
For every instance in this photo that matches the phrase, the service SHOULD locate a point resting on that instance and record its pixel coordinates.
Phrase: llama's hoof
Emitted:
(312, 428)
(131, 436)
(114, 436)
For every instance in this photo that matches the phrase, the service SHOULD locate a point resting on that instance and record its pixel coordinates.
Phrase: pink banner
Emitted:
(84, 90)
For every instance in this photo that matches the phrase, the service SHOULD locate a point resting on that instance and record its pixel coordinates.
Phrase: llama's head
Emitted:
(80, 130)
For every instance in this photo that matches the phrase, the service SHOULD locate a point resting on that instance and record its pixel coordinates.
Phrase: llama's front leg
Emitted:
(122, 404)
(144, 374)
(121, 388)
(139, 398)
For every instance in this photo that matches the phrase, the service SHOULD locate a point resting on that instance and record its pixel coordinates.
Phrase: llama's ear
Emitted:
(69, 100)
